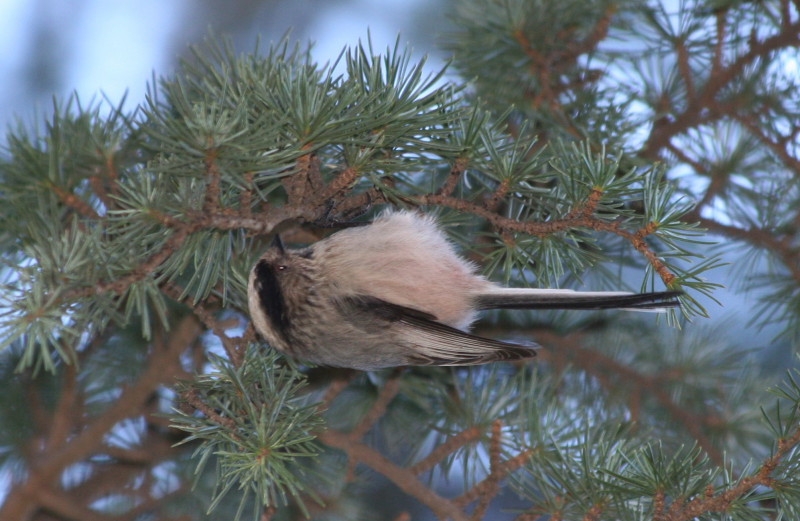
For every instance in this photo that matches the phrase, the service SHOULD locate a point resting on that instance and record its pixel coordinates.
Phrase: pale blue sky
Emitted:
(115, 46)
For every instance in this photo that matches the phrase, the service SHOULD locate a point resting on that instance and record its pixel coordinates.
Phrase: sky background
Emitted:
(113, 47)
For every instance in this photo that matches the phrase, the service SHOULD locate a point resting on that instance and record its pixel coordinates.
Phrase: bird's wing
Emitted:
(434, 343)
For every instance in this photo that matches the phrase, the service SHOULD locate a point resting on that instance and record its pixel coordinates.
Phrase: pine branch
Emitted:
(441, 451)
(171, 210)
(403, 478)
(378, 409)
(722, 501)
(577, 218)
(707, 97)
(47, 464)
(610, 374)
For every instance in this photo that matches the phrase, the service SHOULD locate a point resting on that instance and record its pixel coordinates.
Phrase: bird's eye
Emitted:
(281, 267)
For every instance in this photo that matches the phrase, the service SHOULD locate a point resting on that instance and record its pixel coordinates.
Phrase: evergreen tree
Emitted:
(587, 141)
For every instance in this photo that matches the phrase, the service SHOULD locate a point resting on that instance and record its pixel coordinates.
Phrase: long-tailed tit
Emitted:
(396, 293)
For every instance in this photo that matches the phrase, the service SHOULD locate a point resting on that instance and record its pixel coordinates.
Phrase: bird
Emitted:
(395, 293)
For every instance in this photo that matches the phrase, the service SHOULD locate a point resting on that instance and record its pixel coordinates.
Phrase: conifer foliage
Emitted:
(568, 144)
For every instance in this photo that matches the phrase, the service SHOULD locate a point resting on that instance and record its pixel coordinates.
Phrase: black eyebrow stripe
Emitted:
(270, 297)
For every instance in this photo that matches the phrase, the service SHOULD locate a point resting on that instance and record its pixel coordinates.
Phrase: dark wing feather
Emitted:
(438, 344)
(434, 343)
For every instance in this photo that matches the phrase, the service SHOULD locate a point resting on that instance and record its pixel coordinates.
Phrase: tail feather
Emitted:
(520, 298)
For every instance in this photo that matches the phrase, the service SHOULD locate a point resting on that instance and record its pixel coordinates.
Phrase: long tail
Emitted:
(522, 298)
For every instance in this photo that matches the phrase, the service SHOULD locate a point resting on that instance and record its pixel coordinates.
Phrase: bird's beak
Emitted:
(278, 243)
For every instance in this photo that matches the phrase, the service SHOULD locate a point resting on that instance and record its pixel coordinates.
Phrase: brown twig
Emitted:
(211, 202)
(335, 389)
(235, 347)
(492, 482)
(572, 352)
(453, 178)
(442, 450)
(403, 478)
(722, 501)
(306, 182)
(64, 416)
(74, 202)
(637, 238)
(699, 107)
(192, 397)
(500, 471)
(334, 190)
(378, 409)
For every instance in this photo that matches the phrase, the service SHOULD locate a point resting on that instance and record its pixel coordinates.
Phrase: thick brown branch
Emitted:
(597, 35)
(65, 507)
(64, 415)
(500, 193)
(587, 208)
(335, 389)
(45, 467)
(256, 224)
